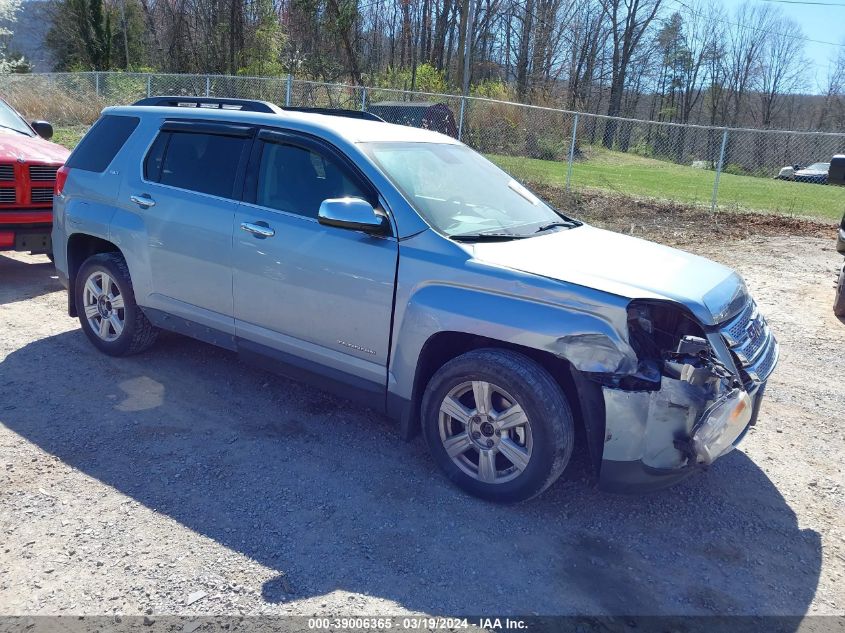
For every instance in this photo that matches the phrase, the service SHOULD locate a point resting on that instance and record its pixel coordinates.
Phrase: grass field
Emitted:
(641, 177)
(69, 136)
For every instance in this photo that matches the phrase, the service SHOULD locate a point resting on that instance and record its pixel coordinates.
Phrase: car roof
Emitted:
(324, 125)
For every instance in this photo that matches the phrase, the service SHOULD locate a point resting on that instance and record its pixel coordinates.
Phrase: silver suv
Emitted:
(400, 268)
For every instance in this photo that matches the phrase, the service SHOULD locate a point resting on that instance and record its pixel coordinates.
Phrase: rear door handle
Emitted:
(258, 230)
(143, 201)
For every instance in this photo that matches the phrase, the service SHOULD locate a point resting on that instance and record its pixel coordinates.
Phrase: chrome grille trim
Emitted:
(41, 194)
(7, 172)
(42, 173)
(8, 195)
(749, 338)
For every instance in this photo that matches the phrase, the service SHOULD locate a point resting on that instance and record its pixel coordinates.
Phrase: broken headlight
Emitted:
(721, 424)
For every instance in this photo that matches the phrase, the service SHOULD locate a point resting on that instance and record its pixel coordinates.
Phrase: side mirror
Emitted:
(352, 213)
(43, 129)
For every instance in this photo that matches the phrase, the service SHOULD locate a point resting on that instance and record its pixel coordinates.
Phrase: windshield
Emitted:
(819, 166)
(11, 120)
(459, 192)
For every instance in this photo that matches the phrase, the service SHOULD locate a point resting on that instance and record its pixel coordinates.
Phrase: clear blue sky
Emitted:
(826, 24)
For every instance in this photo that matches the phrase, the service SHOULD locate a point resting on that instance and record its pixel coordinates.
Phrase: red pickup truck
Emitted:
(28, 165)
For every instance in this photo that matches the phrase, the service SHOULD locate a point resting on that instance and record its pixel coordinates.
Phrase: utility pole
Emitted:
(125, 34)
(468, 45)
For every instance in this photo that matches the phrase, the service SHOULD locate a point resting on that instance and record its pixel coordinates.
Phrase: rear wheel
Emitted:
(839, 301)
(498, 425)
(109, 316)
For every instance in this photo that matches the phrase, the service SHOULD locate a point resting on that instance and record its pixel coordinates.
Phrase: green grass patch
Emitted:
(69, 136)
(640, 177)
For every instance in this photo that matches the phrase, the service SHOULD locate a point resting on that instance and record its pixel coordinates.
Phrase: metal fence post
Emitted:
(461, 118)
(149, 85)
(363, 99)
(719, 171)
(288, 90)
(571, 151)
(97, 83)
(207, 86)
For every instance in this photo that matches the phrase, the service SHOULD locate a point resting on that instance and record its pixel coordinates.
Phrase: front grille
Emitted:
(751, 341)
(736, 328)
(7, 195)
(41, 194)
(7, 172)
(766, 363)
(42, 173)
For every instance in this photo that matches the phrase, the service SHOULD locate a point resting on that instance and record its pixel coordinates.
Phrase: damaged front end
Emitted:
(691, 400)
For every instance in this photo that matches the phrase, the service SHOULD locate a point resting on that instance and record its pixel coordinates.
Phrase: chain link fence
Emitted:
(719, 168)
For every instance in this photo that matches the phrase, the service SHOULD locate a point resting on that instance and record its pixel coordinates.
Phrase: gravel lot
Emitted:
(182, 481)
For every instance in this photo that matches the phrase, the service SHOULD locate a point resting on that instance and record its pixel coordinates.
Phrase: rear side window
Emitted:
(206, 163)
(102, 143)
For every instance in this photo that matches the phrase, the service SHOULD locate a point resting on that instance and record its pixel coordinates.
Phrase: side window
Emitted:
(102, 143)
(155, 157)
(297, 180)
(207, 163)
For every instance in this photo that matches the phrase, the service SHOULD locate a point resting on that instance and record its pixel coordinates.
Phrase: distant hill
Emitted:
(29, 32)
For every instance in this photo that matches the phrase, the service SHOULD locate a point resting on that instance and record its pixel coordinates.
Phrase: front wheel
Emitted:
(109, 316)
(498, 425)
(839, 301)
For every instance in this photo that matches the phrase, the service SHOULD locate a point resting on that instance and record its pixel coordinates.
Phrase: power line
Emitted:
(758, 29)
(803, 2)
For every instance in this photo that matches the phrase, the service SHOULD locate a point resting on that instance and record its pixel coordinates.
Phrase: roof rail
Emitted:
(350, 114)
(211, 103)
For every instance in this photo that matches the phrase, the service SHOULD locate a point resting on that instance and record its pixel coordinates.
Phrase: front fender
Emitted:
(591, 341)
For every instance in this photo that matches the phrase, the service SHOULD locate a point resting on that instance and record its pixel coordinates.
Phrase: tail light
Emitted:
(61, 179)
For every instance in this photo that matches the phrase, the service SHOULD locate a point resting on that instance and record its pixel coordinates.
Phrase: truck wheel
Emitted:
(839, 301)
(498, 425)
(110, 318)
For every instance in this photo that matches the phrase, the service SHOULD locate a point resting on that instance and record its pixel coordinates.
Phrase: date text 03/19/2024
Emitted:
(413, 623)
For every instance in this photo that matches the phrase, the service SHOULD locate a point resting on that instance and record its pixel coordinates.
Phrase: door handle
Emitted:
(258, 230)
(143, 201)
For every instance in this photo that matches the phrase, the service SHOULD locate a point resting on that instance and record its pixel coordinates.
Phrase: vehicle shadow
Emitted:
(324, 492)
(21, 280)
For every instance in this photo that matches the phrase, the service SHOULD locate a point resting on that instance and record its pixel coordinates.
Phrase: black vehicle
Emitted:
(836, 176)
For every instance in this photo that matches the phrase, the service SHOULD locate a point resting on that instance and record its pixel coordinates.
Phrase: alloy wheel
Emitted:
(485, 432)
(103, 306)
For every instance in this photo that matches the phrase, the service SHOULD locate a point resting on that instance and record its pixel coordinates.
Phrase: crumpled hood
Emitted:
(624, 266)
(17, 147)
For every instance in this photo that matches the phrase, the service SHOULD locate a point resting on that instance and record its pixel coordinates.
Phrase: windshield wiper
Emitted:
(570, 224)
(14, 129)
(487, 237)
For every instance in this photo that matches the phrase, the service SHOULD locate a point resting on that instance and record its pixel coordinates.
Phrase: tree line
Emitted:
(685, 61)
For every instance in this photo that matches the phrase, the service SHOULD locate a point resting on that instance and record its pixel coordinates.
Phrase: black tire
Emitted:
(839, 301)
(542, 400)
(138, 333)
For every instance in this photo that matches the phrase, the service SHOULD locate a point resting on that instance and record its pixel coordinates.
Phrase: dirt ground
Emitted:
(183, 481)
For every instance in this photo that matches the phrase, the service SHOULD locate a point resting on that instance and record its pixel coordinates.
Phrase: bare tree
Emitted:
(629, 22)
(782, 68)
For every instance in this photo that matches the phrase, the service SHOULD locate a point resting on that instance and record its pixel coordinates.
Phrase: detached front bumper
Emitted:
(703, 408)
(710, 437)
